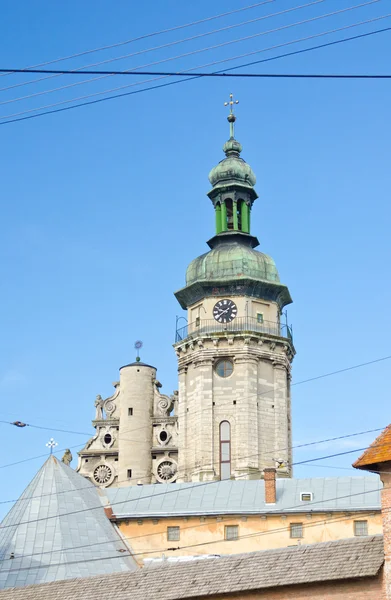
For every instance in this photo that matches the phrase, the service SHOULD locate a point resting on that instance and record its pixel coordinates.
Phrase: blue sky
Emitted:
(104, 206)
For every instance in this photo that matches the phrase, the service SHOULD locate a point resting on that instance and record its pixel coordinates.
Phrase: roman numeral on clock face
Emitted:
(224, 311)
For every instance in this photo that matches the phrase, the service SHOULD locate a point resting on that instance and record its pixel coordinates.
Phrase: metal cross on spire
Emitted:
(51, 444)
(231, 117)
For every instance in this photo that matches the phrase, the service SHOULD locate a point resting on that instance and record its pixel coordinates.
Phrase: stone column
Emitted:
(281, 412)
(182, 421)
(224, 226)
(235, 215)
(203, 421)
(218, 218)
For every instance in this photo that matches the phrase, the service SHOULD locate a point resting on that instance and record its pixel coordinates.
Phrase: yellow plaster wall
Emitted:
(205, 535)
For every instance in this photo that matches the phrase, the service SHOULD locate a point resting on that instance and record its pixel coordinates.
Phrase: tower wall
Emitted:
(254, 400)
(135, 433)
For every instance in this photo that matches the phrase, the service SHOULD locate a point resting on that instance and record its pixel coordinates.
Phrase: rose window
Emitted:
(103, 474)
(166, 471)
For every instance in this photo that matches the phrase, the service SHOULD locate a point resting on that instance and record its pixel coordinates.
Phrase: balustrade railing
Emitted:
(240, 324)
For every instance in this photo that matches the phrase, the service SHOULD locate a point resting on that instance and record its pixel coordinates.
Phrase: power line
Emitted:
(162, 85)
(153, 34)
(333, 439)
(174, 491)
(228, 518)
(108, 74)
(81, 70)
(187, 73)
(18, 462)
(259, 395)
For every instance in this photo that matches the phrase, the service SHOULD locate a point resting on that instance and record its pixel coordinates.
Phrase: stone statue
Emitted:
(99, 408)
(67, 458)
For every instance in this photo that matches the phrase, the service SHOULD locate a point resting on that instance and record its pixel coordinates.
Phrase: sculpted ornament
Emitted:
(103, 475)
(67, 458)
(99, 408)
(166, 471)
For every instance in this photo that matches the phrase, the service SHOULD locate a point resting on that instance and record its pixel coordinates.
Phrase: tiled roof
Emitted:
(72, 542)
(245, 497)
(343, 559)
(378, 452)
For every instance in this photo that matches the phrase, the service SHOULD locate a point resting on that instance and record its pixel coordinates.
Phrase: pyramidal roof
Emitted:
(378, 452)
(58, 530)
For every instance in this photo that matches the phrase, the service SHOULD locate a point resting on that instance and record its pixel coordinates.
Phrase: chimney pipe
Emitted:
(269, 476)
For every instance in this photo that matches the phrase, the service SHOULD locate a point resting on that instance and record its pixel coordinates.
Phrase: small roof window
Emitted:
(306, 496)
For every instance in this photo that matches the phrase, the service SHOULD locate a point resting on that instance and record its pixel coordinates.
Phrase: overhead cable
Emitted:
(163, 85)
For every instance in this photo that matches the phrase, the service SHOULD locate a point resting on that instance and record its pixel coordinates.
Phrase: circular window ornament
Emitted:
(224, 368)
(103, 475)
(166, 471)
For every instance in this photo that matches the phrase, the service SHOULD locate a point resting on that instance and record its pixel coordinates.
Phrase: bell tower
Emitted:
(235, 353)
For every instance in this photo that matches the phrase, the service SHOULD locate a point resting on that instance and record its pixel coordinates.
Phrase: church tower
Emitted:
(235, 354)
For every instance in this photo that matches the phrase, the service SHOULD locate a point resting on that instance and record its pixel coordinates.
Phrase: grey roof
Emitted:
(245, 497)
(343, 559)
(72, 542)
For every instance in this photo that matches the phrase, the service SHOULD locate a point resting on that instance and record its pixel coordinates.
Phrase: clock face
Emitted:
(225, 311)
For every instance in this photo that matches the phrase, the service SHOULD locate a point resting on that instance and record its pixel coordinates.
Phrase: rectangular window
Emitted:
(129, 473)
(360, 527)
(306, 497)
(197, 321)
(231, 532)
(173, 534)
(296, 530)
(259, 317)
(130, 412)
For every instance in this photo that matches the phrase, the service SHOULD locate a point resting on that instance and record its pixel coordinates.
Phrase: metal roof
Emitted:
(245, 497)
(53, 533)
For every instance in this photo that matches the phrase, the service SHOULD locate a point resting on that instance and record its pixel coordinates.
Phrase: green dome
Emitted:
(232, 260)
(232, 169)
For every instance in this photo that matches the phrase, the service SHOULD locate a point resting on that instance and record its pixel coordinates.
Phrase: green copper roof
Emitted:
(232, 260)
(232, 169)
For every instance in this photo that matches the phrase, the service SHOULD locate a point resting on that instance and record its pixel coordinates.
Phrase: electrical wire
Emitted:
(192, 53)
(333, 439)
(81, 70)
(153, 34)
(163, 85)
(187, 73)
(260, 395)
(175, 491)
(289, 509)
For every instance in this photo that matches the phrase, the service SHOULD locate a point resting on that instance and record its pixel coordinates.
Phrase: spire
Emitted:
(233, 183)
(231, 117)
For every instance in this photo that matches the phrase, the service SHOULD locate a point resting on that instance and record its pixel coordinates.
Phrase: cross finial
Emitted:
(51, 444)
(231, 117)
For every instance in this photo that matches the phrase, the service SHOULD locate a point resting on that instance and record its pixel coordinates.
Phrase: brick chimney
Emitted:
(109, 512)
(269, 476)
(377, 459)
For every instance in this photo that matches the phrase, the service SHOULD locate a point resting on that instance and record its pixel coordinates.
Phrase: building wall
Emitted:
(205, 535)
(362, 589)
(254, 399)
(246, 307)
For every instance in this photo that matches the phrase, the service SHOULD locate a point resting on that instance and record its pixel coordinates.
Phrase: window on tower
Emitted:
(225, 450)
(224, 368)
(230, 217)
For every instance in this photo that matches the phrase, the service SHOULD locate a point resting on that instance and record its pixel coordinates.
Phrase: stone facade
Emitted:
(136, 433)
(231, 417)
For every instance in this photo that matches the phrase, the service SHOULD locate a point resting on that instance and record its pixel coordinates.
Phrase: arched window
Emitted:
(225, 450)
(230, 215)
